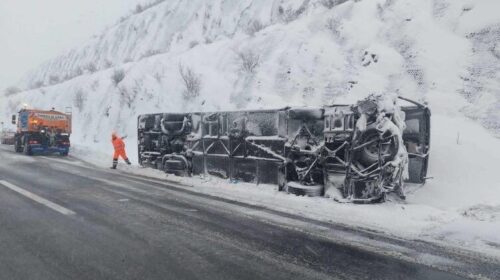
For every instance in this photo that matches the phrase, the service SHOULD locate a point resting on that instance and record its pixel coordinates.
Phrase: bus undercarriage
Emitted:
(365, 150)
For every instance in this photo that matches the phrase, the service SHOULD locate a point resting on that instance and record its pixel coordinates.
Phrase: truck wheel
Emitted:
(369, 154)
(17, 147)
(27, 150)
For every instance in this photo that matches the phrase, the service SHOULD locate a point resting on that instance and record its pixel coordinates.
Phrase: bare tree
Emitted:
(249, 61)
(79, 100)
(192, 82)
(128, 96)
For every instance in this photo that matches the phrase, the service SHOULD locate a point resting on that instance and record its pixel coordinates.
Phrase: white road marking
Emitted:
(37, 198)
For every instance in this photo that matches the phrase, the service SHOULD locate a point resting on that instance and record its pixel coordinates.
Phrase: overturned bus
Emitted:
(365, 150)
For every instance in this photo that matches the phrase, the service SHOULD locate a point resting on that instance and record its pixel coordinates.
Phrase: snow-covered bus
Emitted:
(357, 153)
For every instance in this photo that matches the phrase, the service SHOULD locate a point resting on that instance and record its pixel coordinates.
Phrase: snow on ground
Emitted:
(458, 207)
(443, 52)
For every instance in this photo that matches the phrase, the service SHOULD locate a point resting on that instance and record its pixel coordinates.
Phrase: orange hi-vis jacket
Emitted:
(119, 146)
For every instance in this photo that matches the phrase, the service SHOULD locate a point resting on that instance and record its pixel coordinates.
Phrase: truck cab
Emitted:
(42, 132)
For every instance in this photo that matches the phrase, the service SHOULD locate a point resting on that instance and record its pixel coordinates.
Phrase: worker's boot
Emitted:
(115, 163)
(128, 161)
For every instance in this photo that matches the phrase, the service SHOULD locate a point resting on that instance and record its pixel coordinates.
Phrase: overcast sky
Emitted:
(33, 31)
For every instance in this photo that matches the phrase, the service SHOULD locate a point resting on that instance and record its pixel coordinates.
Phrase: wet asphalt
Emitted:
(128, 227)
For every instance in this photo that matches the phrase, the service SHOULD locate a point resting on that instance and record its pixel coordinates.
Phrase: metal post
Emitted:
(258, 171)
(203, 145)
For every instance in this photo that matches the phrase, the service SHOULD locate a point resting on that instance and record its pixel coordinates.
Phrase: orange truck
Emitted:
(42, 132)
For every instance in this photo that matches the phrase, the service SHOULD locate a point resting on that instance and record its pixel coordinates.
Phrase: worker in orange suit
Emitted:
(119, 146)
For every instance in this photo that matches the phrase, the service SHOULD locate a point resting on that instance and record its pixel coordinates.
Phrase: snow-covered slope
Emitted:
(275, 53)
(440, 51)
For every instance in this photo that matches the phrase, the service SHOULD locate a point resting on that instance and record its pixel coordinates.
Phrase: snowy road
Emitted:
(64, 219)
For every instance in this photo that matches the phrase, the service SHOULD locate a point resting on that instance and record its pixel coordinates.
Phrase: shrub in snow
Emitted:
(193, 44)
(417, 75)
(78, 72)
(308, 92)
(289, 14)
(334, 25)
(141, 8)
(150, 53)
(192, 82)
(79, 100)
(329, 3)
(467, 7)
(37, 84)
(54, 80)
(159, 76)
(369, 58)
(118, 76)
(106, 111)
(67, 77)
(249, 61)
(11, 91)
(91, 68)
(254, 27)
(179, 37)
(127, 95)
(108, 64)
(138, 9)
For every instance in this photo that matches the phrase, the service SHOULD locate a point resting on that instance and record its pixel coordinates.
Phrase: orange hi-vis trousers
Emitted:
(120, 153)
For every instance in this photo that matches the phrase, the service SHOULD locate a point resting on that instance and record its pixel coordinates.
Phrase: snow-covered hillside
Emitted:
(260, 53)
(275, 53)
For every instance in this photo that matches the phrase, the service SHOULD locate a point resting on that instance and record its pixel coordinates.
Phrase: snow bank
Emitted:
(443, 52)
(464, 165)
(459, 206)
